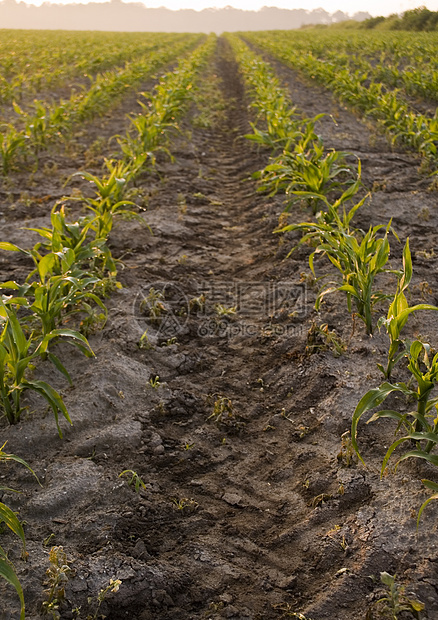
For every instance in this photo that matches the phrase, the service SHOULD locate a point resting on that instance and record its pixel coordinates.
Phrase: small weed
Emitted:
(48, 540)
(347, 454)
(144, 343)
(185, 504)
(170, 341)
(395, 602)
(320, 337)
(154, 382)
(223, 311)
(286, 610)
(112, 587)
(153, 304)
(182, 204)
(320, 499)
(424, 214)
(134, 480)
(224, 415)
(197, 303)
(57, 577)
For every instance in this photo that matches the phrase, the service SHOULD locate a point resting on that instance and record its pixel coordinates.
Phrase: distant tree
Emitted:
(339, 16)
(369, 24)
(361, 16)
(418, 19)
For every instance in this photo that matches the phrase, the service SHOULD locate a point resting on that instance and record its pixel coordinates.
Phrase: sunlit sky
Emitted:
(374, 7)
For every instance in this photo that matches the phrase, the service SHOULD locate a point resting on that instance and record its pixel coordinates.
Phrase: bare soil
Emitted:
(249, 512)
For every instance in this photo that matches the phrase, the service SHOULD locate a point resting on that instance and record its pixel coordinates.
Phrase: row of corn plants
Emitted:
(301, 166)
(401, 123)
(401, 49)
(359, 257)
(324, 181)
(32, 61)
(46, 122)
(412, 80)
(73, 267)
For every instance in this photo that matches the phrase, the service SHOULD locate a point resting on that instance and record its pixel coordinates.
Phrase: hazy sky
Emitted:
(374, 7)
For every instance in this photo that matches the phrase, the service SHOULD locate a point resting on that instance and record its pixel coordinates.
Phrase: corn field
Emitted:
(218, 327)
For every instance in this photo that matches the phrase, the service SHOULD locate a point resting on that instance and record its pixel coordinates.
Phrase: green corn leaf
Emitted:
(8, 517)
(371, 399)
(10, 284)
(407, 267)
(52, 397)
(46, 265)
(430, 485)
(17, 333)
(4, 245)
(7, 572)
(60, 366)
(4, 456)
(419, 454)
(423, 506)
(350, 289)
(387, 413)
(75, 335)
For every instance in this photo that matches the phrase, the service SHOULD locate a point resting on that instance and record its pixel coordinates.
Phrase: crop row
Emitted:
(402, 49)
(37, 60)
(73, 268)
(358, 257)
(391, 112)
(47, 122)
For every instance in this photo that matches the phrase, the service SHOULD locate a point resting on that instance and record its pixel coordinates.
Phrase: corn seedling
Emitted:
(398, 314)
(306, 173)
(359, 257)
(18, 354)
(109, 200)
(12, 143)
(134, 479)
(421, 425)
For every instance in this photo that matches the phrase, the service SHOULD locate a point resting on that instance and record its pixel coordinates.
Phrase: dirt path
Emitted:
(234, 427)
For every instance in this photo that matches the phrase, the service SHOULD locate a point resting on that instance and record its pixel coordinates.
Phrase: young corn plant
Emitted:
(62, 235)
(419, 426)
(12, 144)
(358, 256)
(306, 173)
(109, 200)
(54, 291)
(398, 314)
(283, 125)
(18, 353)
